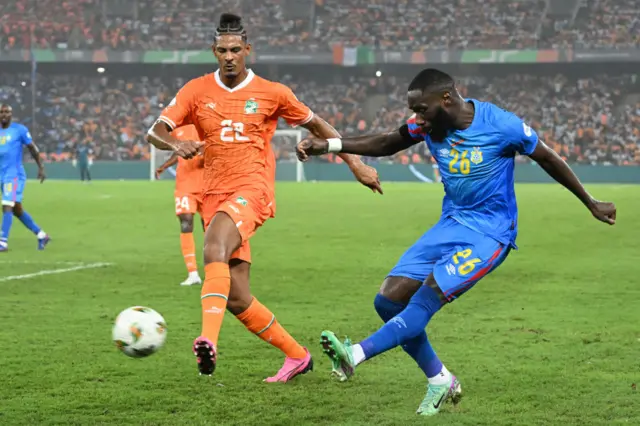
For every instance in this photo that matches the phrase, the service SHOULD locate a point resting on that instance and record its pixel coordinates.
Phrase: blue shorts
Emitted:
(12, 190)
(458, 257)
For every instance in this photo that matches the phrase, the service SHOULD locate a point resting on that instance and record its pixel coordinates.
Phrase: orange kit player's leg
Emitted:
(247, 212)
(186, 207)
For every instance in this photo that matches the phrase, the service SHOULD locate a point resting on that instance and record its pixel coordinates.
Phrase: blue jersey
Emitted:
(12, 140)
(477, 169)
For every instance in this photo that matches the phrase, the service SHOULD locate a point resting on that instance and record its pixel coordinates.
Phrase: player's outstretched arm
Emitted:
(35, 154)
(366, 175)
(159, 136)
(380, 145)
(558, 169)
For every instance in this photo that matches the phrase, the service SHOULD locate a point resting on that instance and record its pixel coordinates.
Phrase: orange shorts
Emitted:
(188, 203)
(248, 209)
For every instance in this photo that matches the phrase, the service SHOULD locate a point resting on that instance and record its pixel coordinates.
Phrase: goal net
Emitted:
(283, 145)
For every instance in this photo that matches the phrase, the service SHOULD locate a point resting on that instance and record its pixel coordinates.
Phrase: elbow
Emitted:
(151, 138)
(148, 137)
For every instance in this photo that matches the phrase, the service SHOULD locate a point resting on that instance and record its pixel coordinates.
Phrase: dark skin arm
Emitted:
(159, 135)
(380, 145)
(170, 162)
(558, 169)
(366, 175)
(35, 154)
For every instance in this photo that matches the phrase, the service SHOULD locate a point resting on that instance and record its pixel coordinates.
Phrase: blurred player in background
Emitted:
(13, 178)
(82, 159)
(188, 197)
(236, 112)
(474, 144)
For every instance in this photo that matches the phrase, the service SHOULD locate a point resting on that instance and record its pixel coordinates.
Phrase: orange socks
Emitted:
(260, 321)
(189, 251)
(214, 296)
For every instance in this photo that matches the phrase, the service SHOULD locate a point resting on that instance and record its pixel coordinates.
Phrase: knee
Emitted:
(215, 250)
(186, 223)
(17, 210)
(399, 289)
(387, 308)
(7, 209)
(237, 304)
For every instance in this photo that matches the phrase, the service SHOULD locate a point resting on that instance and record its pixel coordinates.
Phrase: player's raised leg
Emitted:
(188, 246)
(30, 224)
(259, 320)
(221, 239)
(413, 267)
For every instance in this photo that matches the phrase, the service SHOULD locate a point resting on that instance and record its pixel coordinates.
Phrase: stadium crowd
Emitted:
(584, 119)
(383, 24)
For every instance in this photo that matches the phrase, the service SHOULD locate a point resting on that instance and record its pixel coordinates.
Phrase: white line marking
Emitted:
(41, 262)
(55, 271)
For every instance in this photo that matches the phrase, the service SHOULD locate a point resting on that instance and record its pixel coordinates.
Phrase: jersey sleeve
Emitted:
(291, 109)
(518, 136)
(178, 112)
(25, 136)
(412, 130)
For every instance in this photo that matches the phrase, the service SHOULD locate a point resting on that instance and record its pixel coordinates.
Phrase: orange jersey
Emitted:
(189, 173)
(237, 126)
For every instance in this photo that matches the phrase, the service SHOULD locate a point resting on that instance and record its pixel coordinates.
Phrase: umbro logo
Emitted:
(211, 105)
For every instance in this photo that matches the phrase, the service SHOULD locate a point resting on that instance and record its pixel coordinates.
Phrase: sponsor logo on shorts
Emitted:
(451, 270)
(241, 201)
(234, 208)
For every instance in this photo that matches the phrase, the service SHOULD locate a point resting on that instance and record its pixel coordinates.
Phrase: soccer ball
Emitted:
(139, 331)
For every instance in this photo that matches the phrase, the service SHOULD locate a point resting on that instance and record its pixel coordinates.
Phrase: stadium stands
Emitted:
(582, 119)
(315, 25)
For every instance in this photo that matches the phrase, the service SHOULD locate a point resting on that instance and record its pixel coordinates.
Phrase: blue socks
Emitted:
(407, 328)
(418, 347)
(27, 220)
(7, 221)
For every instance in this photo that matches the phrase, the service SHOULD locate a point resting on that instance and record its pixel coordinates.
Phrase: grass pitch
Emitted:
(549, 338)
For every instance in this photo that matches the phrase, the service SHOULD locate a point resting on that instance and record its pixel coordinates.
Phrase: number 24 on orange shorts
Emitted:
(188, 204)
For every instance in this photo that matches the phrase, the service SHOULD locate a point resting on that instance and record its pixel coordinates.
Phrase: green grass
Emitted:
(551, 337)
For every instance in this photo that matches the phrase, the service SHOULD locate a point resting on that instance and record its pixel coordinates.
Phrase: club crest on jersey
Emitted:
(241, 201)
(251, 106)
(476, 155)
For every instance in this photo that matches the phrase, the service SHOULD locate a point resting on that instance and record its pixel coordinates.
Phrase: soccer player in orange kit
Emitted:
(235, 113)
(188, 197)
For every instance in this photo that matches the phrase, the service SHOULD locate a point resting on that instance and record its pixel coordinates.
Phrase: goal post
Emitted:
(283, 145)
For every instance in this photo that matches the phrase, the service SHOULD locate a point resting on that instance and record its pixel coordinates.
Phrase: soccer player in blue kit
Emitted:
(474, 144)
(13, 137)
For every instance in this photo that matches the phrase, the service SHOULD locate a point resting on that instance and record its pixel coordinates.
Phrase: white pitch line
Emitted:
(41, 262)
(55, 271)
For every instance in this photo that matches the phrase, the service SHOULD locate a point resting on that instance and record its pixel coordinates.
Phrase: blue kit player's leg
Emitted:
(9, 194)
(26, 219)
(416, 264)
(406, 277)
(463, 261)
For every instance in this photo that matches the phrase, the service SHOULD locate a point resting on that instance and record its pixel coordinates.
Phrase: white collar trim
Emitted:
(240, 86)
